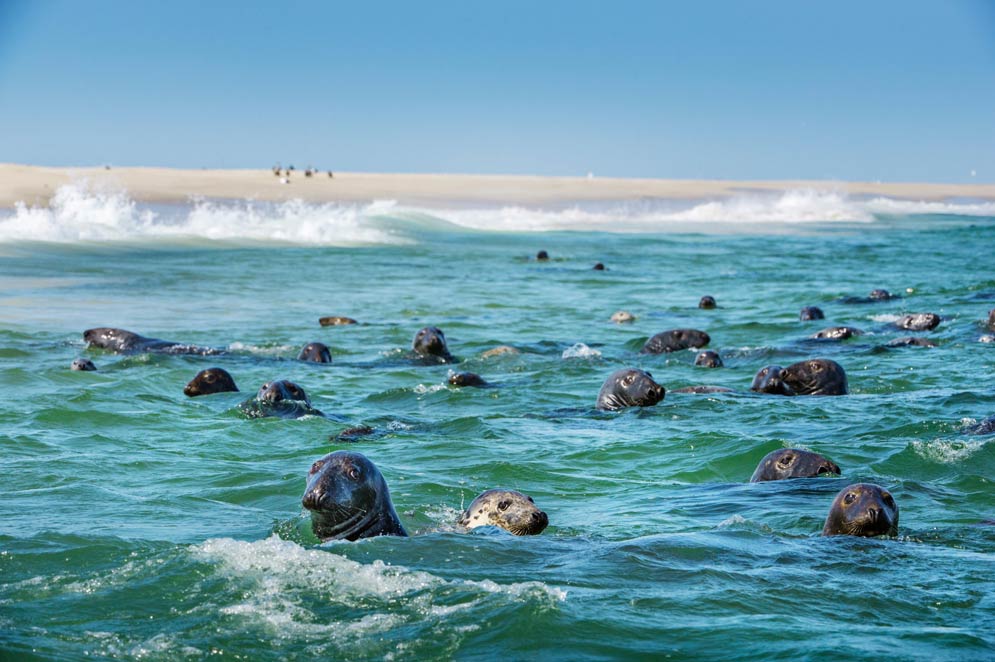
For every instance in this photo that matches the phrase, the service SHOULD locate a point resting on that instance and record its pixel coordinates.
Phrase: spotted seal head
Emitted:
(792, 463)
(837, 333)
(348, 499)
(708, 359)
(879, 294)
(467, 379)
(83, 364)
(281, 398)
(622, 317)
(811, 313)
(918, 322)
(629, 387)
(675, 340)
(315, 352)
(707, 302)
(211, 380)
(770, 379)
(508, 509)
(127, 342)
(815, 377)
(863, 509)
(336, 320)
(430, 342)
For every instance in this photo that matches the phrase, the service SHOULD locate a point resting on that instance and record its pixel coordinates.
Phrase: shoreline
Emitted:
(35, 185)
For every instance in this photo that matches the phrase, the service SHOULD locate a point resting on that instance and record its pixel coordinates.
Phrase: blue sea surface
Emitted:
(139, 524)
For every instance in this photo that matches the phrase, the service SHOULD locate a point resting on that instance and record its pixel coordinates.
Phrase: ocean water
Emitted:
(139, 524)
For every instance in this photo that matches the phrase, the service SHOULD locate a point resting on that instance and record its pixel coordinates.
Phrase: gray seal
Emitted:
(82, 364)
(348, 499)
(986, 426)
(467, 379)
(675, 340)
(281, 398)
(769, 379)
(336, 320)
(315, 352)
(815, 377)
(211, 380)
(707, 302)
(430, 343)
(126, 342)
(792, 463)
(629, 387)
(863, 509)
(508, 509)
(708, 359)
(910, 341)
(918, 322)
(837, 333)
(811, 313)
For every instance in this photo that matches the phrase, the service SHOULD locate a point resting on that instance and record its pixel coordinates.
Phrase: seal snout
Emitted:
(312, 499)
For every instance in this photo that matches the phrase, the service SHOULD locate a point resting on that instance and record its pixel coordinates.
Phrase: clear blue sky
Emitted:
(850, 89)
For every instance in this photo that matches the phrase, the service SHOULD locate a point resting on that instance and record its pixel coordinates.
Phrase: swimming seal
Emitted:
(334, 320)
(126, 342)
(863, 509)
(815, 377)
(792, 463)
(348, 499)
(769, 379)
(542, 255)
(629, 387)
(881, 295)
(708, 359)
(837, 333)
(674, 340)
(811, 313)
(466, 379)
(82, 364)
(622, 316)
(316, 352)
(919, 322)
(599, 267)
(211, 380)
(909, 341)
(500, 350)
(986, 426)
(281, 398)
(707, 302)
(508, 509)
(430, 342)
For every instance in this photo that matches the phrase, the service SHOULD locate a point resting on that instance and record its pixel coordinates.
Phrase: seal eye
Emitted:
(628, 379)
(763, 373)
(786, 460)
(849, 498)
(265, 386)
(504, 505)
(353, 473)
(816, 367)
(888, 500)
(210, 378)
(317, 465)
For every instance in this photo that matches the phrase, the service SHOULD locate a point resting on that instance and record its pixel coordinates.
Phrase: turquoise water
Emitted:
(137, 523)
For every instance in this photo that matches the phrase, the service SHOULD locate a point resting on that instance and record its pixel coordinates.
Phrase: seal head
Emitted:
(82, 364)
(792, 463)
(770, 379)
(811, 313)
(508, 509)
(281, 398)
(629, 387)
(815, 377)
(919, 322)
(708, 359)
(466, 379)
(675, 340)
(837, 333)
(348, 499)
(430, 342)
(707, 302)
(212, 380)
(315, 351)
(863, 509)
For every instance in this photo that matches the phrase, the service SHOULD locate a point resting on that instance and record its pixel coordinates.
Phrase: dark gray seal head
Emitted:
(880, 295)
(675, 340)
(82, 364)
(466, 379)
(792, 463)
(126, 342)
(599, 267)
(542, 255)
(770, 379)
(430, 342)
(281, 398)
(919, 322)
(815, 377)
(707, 302)
(336, 320)
(863, 509)
(910, 341)
(708, 359)
(986, 426)
(316, 352)
(811, 313)
(211, 380)
(508, 509)
(348, 499)
(837, 333)
(629, 387)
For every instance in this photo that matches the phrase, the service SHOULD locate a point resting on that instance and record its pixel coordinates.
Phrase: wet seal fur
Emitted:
(986, 426)
(787, 463)
(622, 317)
(348, 499)
(863, 509)
(910, 341)
(335, 320)
(811, 313)
(511, 510)
(629, 387)
(211, 380)
(126, 342)
(815, 377)
(281, 398)
(430, 342)
(918, 322)
(708, 359)
(769, 380)
(315, 352)
(82, 364)
(467, 379)
(837, 333)
(675, 340)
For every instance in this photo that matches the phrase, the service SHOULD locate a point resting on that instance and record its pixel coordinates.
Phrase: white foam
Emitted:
(946, 452)
(886, 318)
(580, 351)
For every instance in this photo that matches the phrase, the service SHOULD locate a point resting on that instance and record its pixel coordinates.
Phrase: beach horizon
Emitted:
(35, 185)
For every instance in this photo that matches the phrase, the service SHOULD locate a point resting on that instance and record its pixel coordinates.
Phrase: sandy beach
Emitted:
(34, 185)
